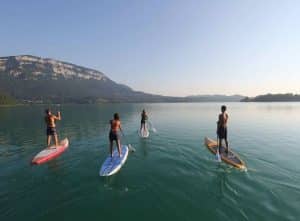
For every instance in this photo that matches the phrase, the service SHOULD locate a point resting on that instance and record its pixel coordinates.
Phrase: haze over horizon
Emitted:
(176, 48)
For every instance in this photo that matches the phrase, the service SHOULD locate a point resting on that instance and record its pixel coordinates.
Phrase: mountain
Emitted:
(289, 97)
(214, 98)
(35, 79)
(32, 79)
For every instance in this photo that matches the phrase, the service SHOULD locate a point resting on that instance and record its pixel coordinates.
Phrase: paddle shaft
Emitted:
(129, 145)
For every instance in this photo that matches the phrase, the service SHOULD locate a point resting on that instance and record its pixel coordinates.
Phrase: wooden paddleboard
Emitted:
(229, 158)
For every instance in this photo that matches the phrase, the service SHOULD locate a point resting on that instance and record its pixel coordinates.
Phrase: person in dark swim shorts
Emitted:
(222, 128)
(51, 127)
(144, 118)
(115, 129)
(114, 136)
(51, 131)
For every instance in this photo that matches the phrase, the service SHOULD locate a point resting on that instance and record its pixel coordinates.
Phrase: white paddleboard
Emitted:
(144, 133)
(113, 164)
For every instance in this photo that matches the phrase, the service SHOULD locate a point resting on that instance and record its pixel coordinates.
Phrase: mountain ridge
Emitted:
(287, 97)
(66, 69)
(44, 80)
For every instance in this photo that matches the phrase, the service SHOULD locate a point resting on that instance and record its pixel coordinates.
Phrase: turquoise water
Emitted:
(171, 176)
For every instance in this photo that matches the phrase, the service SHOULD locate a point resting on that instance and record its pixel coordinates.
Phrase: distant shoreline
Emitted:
(289, 97)
(217, 102)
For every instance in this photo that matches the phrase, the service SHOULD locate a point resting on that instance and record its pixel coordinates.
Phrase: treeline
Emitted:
(73, 91)
(7, 100)
(289, 97)
(84, 91)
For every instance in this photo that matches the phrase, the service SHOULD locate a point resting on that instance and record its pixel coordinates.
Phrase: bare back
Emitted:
(223, 119)
(50, 120)
(115, 125)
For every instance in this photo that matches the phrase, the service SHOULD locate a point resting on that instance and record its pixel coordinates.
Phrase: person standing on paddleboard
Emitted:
(222, 128)
(51, 127)
(143, 120)
(114, 135)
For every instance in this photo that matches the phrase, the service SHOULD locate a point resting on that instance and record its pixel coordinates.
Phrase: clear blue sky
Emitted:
(169, 47)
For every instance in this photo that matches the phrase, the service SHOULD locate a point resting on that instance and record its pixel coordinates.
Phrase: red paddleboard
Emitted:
(50, 152)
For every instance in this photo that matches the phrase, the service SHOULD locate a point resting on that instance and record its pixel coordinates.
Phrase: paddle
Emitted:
(218, 157)
(132, 149)
(152, 127)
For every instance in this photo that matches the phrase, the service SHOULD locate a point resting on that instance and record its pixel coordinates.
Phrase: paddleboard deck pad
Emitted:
(50, 153)
(229, 158)
(113, 164)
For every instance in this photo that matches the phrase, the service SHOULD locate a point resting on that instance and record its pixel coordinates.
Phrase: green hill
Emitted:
(289, 97)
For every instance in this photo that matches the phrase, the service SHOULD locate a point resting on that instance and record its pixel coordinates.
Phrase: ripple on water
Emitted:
(171, 174)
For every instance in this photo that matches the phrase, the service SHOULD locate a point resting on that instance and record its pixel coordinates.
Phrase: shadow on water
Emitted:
(109, 181)
(143, 146)
(222, 173)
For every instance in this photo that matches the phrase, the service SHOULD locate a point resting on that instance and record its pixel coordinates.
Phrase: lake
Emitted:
(171, 176)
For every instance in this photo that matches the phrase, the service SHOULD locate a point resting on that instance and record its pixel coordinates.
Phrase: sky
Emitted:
(168, 47)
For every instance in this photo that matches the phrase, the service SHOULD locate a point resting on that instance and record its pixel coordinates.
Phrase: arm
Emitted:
(120, 127)
(219, 122)
(58, 116)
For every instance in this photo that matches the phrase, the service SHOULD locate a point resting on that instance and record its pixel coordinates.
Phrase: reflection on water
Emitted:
(170, 176)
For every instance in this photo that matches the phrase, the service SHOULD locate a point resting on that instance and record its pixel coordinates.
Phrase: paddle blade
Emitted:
(218, 157)
(152, 127)
(132, 149)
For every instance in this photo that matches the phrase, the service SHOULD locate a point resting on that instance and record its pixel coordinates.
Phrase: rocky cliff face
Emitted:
(44, 80)
(28, 67)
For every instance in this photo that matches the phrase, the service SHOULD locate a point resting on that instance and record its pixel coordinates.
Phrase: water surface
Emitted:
(171, 176)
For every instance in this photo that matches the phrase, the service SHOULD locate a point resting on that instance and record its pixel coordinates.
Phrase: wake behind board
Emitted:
(50, 153)
(113, 164)
(230, 158)
(144, 133)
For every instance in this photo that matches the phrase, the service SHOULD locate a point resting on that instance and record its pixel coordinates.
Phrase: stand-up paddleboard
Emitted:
(50, 153)
(144, 133)
(113, 164)
(230, 157)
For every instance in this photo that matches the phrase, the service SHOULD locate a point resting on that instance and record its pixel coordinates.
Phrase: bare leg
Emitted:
(220, 144)
(48, 141)
(144, 126)
(111, 148)
(226, 142)
(56, 140)
(119, 147)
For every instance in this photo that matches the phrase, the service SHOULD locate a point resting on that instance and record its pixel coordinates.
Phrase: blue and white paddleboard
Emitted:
(113, 164)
